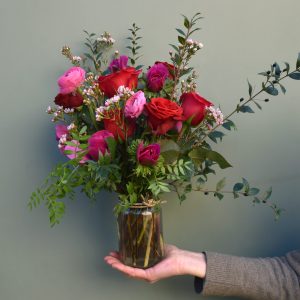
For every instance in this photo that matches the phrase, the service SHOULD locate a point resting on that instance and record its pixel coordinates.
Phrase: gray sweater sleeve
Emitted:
(275, 278)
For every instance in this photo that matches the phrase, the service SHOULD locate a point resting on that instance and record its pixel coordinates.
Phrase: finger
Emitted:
(114, 254)
(110, 260)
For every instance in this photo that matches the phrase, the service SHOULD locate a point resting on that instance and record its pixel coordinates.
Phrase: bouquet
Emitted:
(141, 132)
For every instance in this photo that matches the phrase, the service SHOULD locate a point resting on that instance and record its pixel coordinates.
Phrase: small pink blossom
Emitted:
(71, 80)
(135, 105)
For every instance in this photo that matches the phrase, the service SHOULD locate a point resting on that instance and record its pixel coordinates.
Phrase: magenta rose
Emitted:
(156, 77)
(118, 64)
(148, 155)
(194, 107)
(71, 80)
(97, 143)
(135, 105)
(71, 100)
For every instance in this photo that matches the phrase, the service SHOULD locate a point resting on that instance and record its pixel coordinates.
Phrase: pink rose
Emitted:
(71, 80)
(60, 130)
(148, 155)
(156, 77)
(97, 143)
(135, 105)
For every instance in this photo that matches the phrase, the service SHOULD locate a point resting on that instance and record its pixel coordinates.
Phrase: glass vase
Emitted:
(141, 242)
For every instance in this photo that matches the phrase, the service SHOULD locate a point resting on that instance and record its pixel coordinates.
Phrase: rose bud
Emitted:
(194, 107)
(156, 77)
(109, 84)
(115, 123)
(97, 143)
(118, 64)
(148, 155)
(71, 80)
(135, 105)
(69, 100)
(163, 115)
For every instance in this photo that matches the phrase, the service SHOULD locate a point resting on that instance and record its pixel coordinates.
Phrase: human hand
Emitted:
(176, 262)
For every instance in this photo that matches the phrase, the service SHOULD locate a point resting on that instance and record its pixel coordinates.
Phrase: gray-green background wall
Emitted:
(241, 38)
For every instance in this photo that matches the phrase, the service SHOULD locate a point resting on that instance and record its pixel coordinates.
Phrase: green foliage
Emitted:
(199, 155)
(170, 150)
(134, 47)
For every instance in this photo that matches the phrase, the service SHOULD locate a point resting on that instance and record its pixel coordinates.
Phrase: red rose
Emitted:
(194, 106)
(118, 125)
(164, 115)
(109, 84)
(69, 100)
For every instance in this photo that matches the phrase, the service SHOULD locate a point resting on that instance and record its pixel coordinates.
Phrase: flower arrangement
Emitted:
(141, 132)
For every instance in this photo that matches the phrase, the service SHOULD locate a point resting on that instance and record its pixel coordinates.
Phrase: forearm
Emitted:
(252, 278)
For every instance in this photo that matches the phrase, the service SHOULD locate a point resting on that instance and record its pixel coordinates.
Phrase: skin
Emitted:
(176, 262)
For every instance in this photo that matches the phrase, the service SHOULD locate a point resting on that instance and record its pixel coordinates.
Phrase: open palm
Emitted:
(176, 262)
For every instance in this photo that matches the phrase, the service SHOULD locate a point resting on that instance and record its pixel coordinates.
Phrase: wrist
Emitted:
(194, 264)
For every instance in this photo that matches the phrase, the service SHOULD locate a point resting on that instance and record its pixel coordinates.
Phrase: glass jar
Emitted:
(141, 242)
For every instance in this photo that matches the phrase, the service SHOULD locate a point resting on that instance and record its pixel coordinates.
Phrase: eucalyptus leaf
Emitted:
(295, 75)
(272, 90)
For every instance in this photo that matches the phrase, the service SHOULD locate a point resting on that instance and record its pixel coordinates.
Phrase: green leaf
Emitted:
(272, 90)
(169, 150)
(181, 40)
(267, 194)
(186, 22)
(287, 67)
(238, 187)
(295, 75)
(283, 89)
(221, 184)
(219, 196)
(250, 88)
(83, 130)
(200, 154)
(246, 109)
(229, 125)
(89, 56)
(180, 31)
(214, 135)
(298, 61)
(263, 73)
(174, 47)
(258, 105)
(253, 191)
(112, 145)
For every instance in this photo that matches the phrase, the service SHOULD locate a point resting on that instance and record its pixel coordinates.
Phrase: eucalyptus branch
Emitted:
(267, 87)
